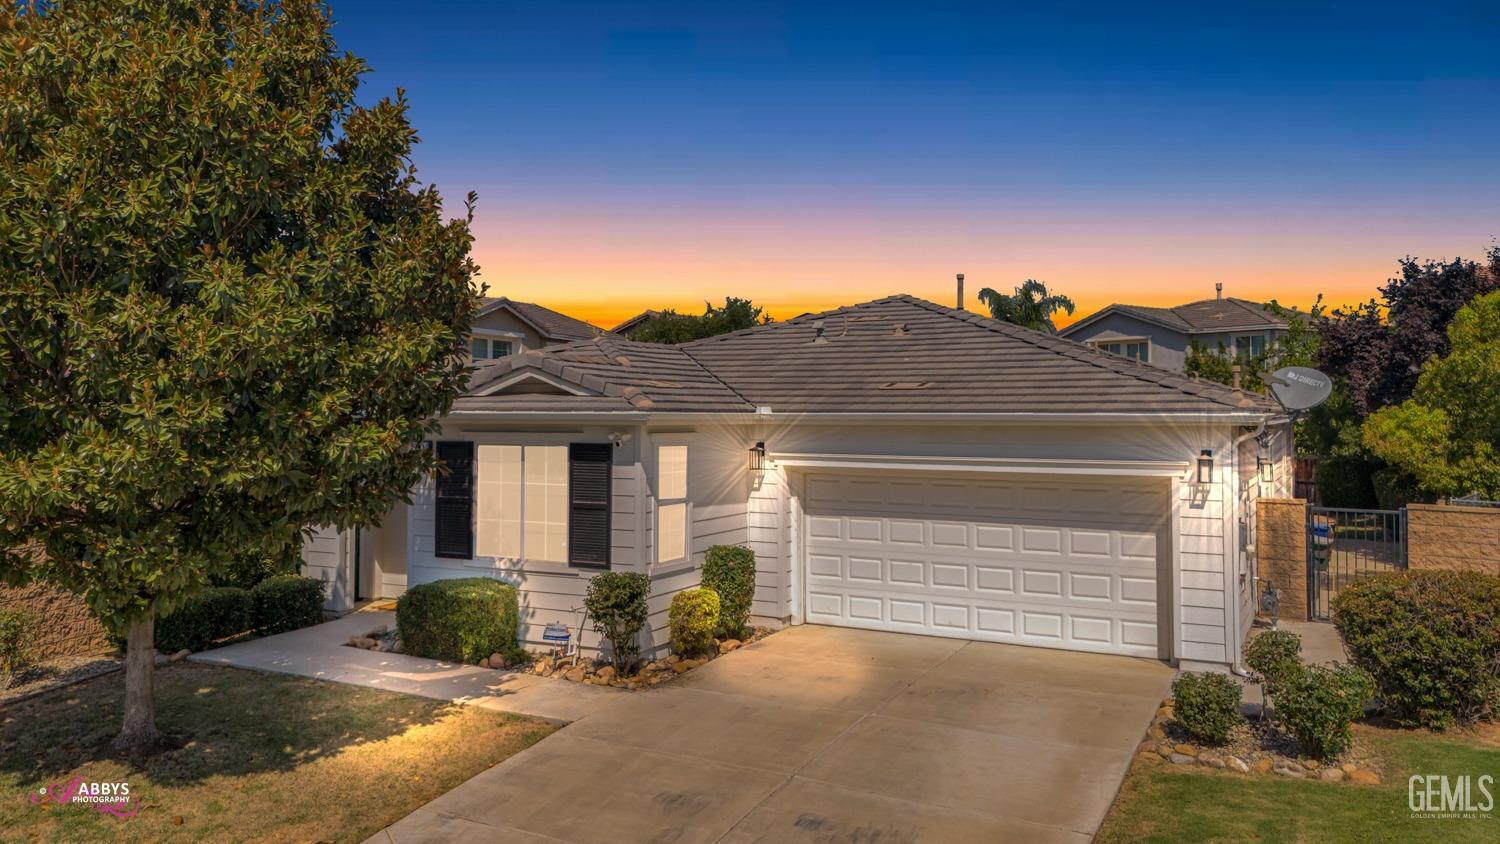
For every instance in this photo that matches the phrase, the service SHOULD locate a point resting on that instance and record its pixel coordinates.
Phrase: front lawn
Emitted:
(1169, 803)
(270, 758)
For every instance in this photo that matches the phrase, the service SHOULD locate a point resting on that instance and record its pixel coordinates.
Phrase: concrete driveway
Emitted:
(823, 734)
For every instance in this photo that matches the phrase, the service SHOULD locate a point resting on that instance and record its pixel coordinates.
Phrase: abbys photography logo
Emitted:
(107, 798)
(1440, 796)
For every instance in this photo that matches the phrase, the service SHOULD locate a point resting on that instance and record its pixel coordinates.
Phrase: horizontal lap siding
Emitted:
(1202, 607)
(323, 558)
(766, 536)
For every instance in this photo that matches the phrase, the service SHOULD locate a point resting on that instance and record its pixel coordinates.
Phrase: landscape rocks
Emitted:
(1331, 775)
(1236, 764)
(645, 673)
(180, 655)
(1363, 776)
(728, 645)
(1289, 769)
(1182, 759)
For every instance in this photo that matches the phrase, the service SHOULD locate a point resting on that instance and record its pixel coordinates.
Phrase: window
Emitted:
(543, 502)
(487, 348)
(671, 497)
(1249, 347)
(453, 503)
(1137, 349)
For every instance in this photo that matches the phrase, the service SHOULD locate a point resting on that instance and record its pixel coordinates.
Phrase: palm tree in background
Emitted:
(1031, 306)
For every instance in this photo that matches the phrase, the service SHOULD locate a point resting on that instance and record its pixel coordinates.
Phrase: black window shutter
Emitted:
(588, 504)
(453, 527)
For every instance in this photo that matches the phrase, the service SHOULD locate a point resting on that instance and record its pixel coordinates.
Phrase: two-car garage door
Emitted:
(1066, 563)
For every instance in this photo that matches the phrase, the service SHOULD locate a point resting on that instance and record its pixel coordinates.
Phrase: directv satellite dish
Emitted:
(1299, 388)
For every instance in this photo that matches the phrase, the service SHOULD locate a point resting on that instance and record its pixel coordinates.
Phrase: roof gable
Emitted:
(1207, 316)
(550, 324)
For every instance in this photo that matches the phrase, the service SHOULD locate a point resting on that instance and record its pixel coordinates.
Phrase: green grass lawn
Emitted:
(270, 758)
(1169, 803)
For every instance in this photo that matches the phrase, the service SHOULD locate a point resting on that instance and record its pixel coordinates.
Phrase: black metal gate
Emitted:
(1344, 545)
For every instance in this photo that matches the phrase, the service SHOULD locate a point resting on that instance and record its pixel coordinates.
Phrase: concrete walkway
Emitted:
(320, 652)
(822, 734)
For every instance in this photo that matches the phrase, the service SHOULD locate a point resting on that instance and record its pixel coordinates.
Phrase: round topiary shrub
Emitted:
(730, 571)
(286, 602)
(1431, 641)
(691, 620)
(1275, 656)
(1206, 705)
(1318, 703)
(461, 620)
(616, 601)
(205, 618)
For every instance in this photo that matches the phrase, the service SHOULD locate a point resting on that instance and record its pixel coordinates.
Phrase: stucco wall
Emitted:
(65, 624)
(1453, 538)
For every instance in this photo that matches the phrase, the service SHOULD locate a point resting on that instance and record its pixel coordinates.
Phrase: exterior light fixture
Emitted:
(1206, 467)
(1267, 470)
(758, 457)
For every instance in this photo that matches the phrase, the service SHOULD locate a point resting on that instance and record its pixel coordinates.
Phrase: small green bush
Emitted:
(286, 602)
(246, 572)
(1207, 705)
(17, 644)
(616, 601)
(460, 620)
(730, 571)
(217, 612)
(1275, 656)
(1430, 639)
(1317, 704)
(692, 619)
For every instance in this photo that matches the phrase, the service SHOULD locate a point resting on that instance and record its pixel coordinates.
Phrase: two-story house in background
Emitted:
(1162, 336)
(505, 327)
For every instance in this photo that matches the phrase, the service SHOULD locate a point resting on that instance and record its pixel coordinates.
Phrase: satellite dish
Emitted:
(1299, 388)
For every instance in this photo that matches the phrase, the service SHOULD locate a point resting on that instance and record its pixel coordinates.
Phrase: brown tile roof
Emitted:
(1206, 317)
(550, 323)
(894, 355)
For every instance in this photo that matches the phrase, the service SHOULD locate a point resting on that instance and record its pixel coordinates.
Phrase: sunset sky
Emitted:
(808, 155)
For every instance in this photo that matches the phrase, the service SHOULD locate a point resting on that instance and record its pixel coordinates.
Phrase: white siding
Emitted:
(326, 556)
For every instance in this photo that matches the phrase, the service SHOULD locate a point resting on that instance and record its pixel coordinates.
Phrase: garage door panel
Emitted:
(1080, 577)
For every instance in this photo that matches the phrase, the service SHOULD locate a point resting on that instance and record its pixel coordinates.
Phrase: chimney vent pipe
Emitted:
(1218, 290)
(960, 291)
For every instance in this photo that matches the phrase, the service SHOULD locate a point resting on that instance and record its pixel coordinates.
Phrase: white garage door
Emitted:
(1057, 563)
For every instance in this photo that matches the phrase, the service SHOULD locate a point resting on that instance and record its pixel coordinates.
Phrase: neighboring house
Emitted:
(506, 327)
(896, 465)
(629, 326)
(1162, 336)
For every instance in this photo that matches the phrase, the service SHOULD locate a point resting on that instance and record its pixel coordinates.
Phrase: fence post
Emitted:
(1281, 550)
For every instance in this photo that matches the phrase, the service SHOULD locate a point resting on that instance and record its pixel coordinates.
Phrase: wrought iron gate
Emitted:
(1344, 545)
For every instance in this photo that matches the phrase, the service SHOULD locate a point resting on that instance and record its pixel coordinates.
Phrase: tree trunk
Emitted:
(138, 734)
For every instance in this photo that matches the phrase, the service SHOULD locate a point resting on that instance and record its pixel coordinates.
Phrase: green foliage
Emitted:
(463, 620)
(1431, 639)
(1275, 656)
(1031, 306)
(1318, 703)
(1447, 435)
(208, 616)
(1347, 480)
(692, 619)
(616, 601)
(1206, 704)
(249, 569)
(286, 602)
(672, 327)
(17, 643)
(729, 570)
(230, 308)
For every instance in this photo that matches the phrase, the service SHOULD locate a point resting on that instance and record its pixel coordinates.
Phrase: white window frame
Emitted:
(1265, 344)
(664, 501)
(483, 556)
(493, 335)
(1144, 342)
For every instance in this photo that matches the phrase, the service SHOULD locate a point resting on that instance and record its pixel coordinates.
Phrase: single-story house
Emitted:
(630, 326)
(1163, 336)
(895, 465)
(505, 327)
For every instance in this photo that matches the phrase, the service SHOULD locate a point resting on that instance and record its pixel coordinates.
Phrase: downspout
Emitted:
(1235, 665)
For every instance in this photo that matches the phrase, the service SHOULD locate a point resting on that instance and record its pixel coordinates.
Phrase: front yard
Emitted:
(1164, 802)
(269, 758)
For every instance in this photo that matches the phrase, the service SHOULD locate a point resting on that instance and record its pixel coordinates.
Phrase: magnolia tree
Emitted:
(228, 310)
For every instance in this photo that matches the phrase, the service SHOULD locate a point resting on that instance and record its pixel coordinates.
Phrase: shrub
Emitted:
(286, 602)
(692, 619)
(217, 612)
(1346, 481)
(1275, 656)
(246, 572)
(1207, 705)
(616, 601)
(1431, 640)
(17, 629)
(1317, 704)
(730, 571)
(460, 620)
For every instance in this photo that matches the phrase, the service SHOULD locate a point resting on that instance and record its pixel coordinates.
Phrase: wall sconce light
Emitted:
(758, 457)
(1206, 467)
(1267, 470)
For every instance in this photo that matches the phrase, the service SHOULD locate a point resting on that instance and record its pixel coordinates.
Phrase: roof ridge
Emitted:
(768, 326)
(1095, 357)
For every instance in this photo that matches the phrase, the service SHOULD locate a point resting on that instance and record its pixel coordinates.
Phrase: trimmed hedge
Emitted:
(213, 614)
(1275, 656)
(1206, 704)
(616, 601)
(730, 571)
(1430, 639)
(692, 619)
(460, 620)
(1317, 704)
(286, 602)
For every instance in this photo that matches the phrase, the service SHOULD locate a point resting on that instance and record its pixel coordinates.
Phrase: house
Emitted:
(506, 327)
(895, 465)
(630, 326)
(1162, 336)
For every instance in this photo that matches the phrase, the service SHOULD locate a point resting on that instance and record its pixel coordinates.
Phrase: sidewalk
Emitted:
(319, 652)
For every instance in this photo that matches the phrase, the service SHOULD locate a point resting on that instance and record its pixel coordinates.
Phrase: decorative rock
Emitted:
(1164, 712)
(1150, 758)
(397, 647)
(1156, 732)
(680, 667)
(1261, 766)
(363, 642)
(161, 659)
(179, 656)
(1186, 750)
(726, 647)
(1165, 751)
(497, 660)
(1331, 775)
(574, 674)
(1235, 763)
(1182, 759)
(1364, 777)
(1212, 760)
(354, 641)
(565, 663)
(1289, 769)
(378, 632)
(1348, 767)
(673, 659)
(607, 673)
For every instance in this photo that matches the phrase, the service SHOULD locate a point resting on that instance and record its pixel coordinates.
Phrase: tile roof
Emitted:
(553, 325)
(894, 355)
(1205, 317)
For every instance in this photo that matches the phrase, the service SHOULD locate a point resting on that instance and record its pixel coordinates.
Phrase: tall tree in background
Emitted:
(228, 310)
(672, 327)
(1031, 306)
